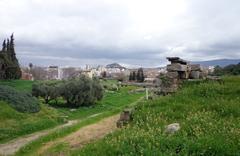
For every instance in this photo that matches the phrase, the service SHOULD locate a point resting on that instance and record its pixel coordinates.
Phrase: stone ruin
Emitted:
(125, 118)
(182, 69)
(179, 70)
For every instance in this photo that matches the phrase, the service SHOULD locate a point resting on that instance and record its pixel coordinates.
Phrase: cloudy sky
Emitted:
(131, 32)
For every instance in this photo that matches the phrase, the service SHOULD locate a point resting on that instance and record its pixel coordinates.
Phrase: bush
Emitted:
(77, 92)
(48, 90)
(82, 91)
(21, 101)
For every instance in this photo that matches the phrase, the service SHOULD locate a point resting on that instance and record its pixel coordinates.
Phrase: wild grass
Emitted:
(111, 104)
(22, 85)
(14, 124)
(209, 116)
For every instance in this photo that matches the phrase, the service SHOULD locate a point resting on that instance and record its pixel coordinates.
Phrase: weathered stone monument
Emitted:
(179, 70)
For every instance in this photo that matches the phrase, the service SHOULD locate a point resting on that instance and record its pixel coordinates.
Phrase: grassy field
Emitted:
(22, 85)
(14, 124)
(209, 116)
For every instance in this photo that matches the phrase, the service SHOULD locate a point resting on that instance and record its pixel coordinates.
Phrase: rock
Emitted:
(177, 60)
(172, 75)
(125, 118)
(73, 110)
(196, 67)
(172, 128)
(177, 67)
(184, 75)
(126, 115)
(195, 75)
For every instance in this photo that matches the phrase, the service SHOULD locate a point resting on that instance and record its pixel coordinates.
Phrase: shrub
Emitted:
(48, 90)
(76, 92)
(82, 91)
(21, 101)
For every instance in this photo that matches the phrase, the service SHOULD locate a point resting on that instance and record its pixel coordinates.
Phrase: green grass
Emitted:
(14, 124)
(209, 116)
(22, 85)
(111, 104)
(110, 101)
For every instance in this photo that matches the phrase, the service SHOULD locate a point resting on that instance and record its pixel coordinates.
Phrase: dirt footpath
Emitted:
(85, 135)
(13, 146)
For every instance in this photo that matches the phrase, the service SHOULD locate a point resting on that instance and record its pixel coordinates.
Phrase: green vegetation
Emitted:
(14, 124)
(8, 61)
(233, 69)
(139, 77)
(209, 116)
(112, 103)
(21, 101)
(21, 85)
(78, 92)
(109, 85)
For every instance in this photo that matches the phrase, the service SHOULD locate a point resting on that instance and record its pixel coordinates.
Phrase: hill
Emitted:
(115, 65)
(220, 62)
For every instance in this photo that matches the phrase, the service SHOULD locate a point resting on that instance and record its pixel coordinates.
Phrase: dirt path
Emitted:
(13, 146)
(85, 135)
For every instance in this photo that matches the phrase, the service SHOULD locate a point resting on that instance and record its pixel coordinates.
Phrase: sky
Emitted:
(133, 33)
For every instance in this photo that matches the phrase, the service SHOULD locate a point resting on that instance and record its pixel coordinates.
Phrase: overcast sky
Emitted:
(130, 32)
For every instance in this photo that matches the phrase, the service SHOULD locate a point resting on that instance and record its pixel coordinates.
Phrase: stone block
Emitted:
(177, 67)
(196, 67)
(195, 75)
(172, 75)
(184, 75)
(172, 128)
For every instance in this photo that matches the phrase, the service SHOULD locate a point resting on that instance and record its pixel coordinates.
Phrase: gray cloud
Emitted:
(142, 33)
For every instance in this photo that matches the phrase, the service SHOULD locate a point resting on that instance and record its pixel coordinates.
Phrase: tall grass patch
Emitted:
(209, 116)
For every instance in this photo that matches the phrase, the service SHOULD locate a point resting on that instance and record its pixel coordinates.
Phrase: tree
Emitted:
(218, 71)
(30, 65)
(133, 75)
(47, 90)
(4, 46)
(104, 74)
(12, 49)
(8, 45)
(140, 75)
(82, 91)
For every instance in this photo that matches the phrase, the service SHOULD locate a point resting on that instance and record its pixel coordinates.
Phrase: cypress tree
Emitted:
(13, 70)
(131, 76)
(4, 46)
(134, 76)
(140, 75)
(12, 49)
(8, 45)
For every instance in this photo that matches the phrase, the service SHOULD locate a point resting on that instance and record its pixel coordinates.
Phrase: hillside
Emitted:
(220, 62)
(208, 114)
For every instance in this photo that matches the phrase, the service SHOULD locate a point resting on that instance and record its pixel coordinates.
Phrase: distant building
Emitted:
(53, 73)
(88, 73)
(26, 76)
